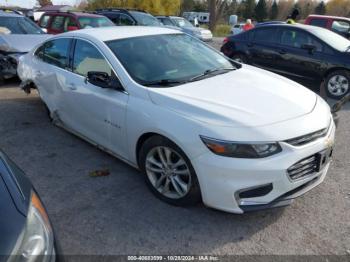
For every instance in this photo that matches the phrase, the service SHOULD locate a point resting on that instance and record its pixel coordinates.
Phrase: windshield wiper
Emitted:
(216, 71)
(164, 83)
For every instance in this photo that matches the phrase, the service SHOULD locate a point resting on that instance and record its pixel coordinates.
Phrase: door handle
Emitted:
(282, 51)
(72, 87)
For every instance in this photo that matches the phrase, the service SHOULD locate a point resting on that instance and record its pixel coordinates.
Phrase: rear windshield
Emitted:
(19, 25)
(145, 19)
(90, 22)
(180, 22)
(334, 40)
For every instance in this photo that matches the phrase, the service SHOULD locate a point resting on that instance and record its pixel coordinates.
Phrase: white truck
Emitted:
(203, 17)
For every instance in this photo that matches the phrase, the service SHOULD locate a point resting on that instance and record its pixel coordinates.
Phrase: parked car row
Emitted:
(59, 22)
(307, 54)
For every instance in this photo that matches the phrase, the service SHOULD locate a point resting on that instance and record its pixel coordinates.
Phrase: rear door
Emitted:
(262, 48)
(296, 61)
(50, 67)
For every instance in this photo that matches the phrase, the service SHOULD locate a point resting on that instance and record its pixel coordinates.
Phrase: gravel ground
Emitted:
(117, 215)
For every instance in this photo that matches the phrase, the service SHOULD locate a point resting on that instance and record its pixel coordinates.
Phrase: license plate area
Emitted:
(323, 158)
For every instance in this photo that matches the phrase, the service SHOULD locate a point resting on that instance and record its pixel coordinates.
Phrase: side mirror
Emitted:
(309, 47)
(103, 80)
(72, 28)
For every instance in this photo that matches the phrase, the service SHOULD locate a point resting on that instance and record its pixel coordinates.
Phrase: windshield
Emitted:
(90, 22)
(145, 19)
(334, 40)
(168, 58)
(19, 25)
(180, 22)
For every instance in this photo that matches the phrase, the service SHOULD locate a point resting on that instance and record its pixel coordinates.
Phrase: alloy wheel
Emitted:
(338, 85)
(168, 172)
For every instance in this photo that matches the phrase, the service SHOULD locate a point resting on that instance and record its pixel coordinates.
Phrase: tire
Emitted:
(158, 166)
(240, 58)
(337, 84)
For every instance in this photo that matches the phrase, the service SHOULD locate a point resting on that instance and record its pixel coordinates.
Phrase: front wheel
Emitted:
(338, 84)
(169, 173)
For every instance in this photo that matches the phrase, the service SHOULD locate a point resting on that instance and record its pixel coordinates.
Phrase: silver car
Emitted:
(18, 35)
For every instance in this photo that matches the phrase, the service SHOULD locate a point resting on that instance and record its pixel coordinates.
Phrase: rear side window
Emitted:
(44, 22)
(125, 20)
(166, 21)
(264, 35)
(341, 26)
(57, 23)
(297, 38)
(319, 22)
(87, 58)
(68, 23)
(55, 52)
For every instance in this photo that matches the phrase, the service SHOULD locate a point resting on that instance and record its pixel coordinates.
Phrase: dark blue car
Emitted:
(306, 54)
(25, 229)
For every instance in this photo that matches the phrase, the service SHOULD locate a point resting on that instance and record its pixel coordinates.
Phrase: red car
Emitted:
(60, 22)
(339, 25)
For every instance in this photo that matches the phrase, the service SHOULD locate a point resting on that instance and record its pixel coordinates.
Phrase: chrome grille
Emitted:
(303, 140)
(303, 168)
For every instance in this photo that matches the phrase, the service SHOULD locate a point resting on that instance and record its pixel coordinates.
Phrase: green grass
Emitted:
(221, 30)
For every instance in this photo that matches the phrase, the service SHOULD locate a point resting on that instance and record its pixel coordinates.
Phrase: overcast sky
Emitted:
(31, 3)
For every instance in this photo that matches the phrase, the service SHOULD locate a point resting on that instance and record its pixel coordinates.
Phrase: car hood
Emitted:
(20, 43)
(245, 97)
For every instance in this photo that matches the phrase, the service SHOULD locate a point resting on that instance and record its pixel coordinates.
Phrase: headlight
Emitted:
(37, 237)
(241, 150)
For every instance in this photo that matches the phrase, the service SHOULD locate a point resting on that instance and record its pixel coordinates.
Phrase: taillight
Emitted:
(226, 40)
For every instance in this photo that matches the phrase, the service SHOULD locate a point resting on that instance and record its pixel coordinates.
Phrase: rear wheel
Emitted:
(338, 84)
(169, 173)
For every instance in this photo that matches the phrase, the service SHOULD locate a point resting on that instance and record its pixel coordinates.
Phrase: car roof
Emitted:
(300, 26)
(78, 14)
(121, 32)
(169, 16)
(9, 14)
(329, 17)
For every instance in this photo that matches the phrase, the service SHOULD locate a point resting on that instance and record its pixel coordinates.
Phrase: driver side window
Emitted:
(87, 58)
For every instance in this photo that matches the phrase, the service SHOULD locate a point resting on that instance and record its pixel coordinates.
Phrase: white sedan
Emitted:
(199, 126)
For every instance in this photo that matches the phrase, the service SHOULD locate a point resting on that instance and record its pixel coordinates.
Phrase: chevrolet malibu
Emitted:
(199, 126)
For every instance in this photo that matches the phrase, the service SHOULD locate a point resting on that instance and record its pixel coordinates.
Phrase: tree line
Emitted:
(220, 10)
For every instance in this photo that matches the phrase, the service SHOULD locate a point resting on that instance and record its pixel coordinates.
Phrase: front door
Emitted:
(262, 48)
(94, 112)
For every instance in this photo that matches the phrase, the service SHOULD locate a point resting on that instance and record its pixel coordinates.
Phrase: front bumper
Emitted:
(222, 179)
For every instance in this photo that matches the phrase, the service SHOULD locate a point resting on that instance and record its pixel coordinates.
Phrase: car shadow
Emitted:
(115, 214)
